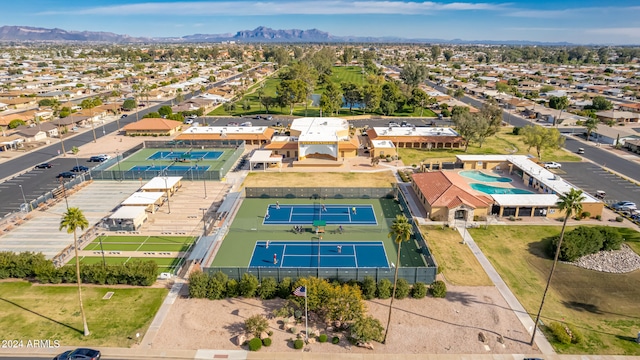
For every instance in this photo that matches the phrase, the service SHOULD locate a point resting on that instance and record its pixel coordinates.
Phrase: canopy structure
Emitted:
(318, 226)
(264, 158)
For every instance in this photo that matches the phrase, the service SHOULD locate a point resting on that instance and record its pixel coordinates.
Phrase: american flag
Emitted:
(300, 291)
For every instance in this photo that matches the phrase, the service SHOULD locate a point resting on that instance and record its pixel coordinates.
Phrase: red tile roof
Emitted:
(448, 189)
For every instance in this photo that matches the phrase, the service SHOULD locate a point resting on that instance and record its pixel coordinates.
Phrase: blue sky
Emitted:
(576, 21)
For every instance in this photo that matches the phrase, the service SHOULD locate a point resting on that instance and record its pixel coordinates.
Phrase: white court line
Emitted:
(284, 251)
(354, 254)
(290, 213)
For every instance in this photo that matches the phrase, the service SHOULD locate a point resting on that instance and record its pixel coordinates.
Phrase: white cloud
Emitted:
(266, 8)
(570, 12)
(631, 32)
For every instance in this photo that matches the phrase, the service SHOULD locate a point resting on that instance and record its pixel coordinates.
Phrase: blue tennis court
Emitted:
(170, 168)
(296, 214)
(314, 253)
(193, 155)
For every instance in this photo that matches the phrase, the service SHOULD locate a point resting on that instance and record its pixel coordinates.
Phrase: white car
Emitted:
(624, 206)
(552, 165)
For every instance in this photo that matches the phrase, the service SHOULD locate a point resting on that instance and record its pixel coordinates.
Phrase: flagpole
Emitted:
(306, 314)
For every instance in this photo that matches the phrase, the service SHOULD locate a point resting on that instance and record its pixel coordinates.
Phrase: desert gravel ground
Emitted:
(428, 326)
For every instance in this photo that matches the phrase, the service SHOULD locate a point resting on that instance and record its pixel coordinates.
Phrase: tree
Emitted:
(129, 104)
(459, 93)
(591, 124)
(331, 99)
(435, 52)
(558, 103)
(401, 231)
(73, 219)
(483, 129)
(390, 98)
(419, 98)
(371, 95)
(15, 123)
(600, 103)
(267, 102)
(465, 126)
(502, 87)
(541, 138)
(413, 74)
(546, 88)
(347, 56)
(375, 161)
(291, 92)
(448, 54)
(352, 94)
(569, 203)
(165, 111)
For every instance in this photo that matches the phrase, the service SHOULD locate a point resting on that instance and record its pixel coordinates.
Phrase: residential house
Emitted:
(618, 116)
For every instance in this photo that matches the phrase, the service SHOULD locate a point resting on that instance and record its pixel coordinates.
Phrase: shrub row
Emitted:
(219, 286)
(30, 266)
(585, 240)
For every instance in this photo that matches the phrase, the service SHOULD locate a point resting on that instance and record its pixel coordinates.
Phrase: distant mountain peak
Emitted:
(259, 34)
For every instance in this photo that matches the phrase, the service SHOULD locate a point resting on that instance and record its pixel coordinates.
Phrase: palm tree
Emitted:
(570, 203)
(71, 221)
(591, 124)
(401, 231)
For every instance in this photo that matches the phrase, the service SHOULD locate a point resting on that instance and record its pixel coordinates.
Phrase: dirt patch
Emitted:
(431, 326)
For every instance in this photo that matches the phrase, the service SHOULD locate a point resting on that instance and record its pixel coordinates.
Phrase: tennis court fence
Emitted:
(101, 173)
(319, 192)
(425, 275)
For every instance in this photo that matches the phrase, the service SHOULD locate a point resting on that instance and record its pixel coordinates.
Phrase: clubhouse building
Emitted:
(494, 185)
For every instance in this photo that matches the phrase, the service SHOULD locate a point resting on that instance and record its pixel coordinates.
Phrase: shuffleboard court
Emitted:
(335, 214)
(324, 254)
(193, 155)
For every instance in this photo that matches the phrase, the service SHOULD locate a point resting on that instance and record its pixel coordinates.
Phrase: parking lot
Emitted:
(34, 183)
(590, 178)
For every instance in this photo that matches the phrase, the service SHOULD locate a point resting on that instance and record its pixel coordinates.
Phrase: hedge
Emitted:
(30, 266)
(438, 289)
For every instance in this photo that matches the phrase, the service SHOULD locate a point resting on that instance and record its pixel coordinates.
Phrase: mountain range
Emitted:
(260, 34)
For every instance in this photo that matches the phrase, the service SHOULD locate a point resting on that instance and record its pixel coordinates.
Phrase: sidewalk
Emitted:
(540, 341)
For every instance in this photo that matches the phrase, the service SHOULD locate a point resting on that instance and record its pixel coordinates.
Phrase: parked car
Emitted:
(552, 165)
(246, 123)
(188, 121)
(79, 168)
(123, 116)
(99, 158)
(44, 166)
(66, 175)
(79, 354)
(393, 124)
(580, 151)
(624, 206)
(269, 117)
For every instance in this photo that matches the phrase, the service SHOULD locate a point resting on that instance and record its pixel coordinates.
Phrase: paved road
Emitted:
(598, 156)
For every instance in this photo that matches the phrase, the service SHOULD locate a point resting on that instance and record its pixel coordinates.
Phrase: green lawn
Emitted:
(455, 260)
(603, 306)
(247, 228)
(52, 312)
(340, 74)
(504, 143)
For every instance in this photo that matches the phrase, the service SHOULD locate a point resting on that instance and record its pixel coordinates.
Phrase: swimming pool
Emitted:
(492, 190)
(480, 176)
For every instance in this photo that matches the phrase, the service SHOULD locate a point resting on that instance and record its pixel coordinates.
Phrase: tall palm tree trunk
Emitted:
(553, 268)
(78, 281)
(393, 294)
